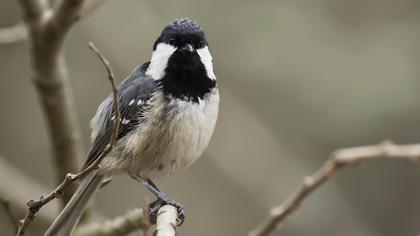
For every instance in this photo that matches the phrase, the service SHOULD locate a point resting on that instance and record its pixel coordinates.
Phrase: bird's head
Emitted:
(182, 34)
(183, 46)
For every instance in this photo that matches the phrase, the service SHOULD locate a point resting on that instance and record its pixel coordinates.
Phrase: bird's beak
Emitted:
(188, 48)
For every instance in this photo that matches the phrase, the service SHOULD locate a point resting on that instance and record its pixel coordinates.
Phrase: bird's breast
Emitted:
(176, 136)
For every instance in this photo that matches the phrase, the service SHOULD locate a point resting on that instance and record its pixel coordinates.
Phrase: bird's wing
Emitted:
(133, 94)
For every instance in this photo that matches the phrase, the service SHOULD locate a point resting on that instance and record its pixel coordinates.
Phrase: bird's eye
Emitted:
(171, 41)
(201, 44)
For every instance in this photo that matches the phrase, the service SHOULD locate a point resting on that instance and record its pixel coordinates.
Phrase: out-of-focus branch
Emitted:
(64, 17)
(47, 30)
(23, 186)
(35, 206)
(122, 225)
(338, 160)
(6, 206)
(166, 221)
(13, 34)
(51, 82)
(33, 9)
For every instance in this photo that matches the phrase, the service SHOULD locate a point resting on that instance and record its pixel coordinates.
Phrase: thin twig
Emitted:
(166, 221)
(338, 160)
(35, 206)
(6, 205)
(114, 91)
(13, 34)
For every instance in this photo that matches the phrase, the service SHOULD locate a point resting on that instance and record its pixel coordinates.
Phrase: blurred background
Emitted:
(298, 79)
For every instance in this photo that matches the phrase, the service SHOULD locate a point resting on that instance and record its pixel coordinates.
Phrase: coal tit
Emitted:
(169, 108)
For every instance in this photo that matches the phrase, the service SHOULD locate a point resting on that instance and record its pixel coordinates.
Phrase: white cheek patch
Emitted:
(207, 59)
(159, 60)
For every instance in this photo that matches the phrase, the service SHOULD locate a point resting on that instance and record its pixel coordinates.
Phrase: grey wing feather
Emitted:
(137, 87)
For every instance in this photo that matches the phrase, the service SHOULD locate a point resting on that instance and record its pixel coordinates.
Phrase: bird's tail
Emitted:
(64, 224)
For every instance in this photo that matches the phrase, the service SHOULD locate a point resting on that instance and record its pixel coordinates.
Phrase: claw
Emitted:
(181, 215)
(153, 210)
(156, 205)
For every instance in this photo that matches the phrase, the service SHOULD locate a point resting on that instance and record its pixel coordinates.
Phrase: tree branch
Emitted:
(338, 160)
(33, 9)
(52, 86)
(67, 13)
(35, 206)
(166, 221)
(13, 34)
(23, 186)
(122, 225)
(6, 206)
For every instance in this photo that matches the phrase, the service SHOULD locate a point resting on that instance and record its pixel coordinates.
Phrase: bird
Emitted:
(169, 108)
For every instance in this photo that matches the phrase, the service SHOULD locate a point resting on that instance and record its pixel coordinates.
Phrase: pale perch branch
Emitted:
(338, 160)
(35, 206)
(166, 221)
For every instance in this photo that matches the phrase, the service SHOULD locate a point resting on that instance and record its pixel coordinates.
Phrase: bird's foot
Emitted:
(156, 205)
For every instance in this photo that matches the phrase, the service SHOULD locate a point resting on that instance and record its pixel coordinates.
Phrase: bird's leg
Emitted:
(149, 181)
(162, 199)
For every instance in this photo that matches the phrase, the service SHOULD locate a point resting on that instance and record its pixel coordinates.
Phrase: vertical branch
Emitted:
(48, 31)
(35, 206)
(67, 13)
(33, 9)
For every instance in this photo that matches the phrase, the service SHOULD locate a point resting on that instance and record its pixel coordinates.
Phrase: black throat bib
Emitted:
(186, 77)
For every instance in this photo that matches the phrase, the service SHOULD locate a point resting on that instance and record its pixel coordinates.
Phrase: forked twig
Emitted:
(35, 206)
